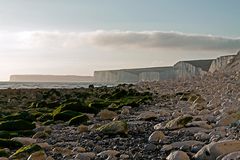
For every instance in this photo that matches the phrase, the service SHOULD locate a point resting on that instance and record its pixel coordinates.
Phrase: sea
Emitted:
(42, 85)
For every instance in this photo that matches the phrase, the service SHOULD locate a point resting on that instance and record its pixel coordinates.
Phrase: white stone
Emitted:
(178, 155)
(213, 150)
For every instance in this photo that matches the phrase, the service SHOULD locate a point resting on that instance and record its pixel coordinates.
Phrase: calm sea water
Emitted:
(29, 85)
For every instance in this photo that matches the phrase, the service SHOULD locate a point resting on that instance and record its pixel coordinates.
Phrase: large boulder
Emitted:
(213, 150)
(115, 127)
(15, 125)
(179, 122)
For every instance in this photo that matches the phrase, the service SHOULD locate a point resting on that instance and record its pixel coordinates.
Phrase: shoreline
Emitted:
(148, 120)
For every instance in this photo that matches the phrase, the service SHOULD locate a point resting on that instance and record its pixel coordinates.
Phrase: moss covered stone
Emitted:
(115, 127)
(75, 106)
(65, 115)
(11, 134)
(15, 125)
(81, 119)
(26, 151)
(179, 122)
(11, 144)
(22, 115)
(45, 117)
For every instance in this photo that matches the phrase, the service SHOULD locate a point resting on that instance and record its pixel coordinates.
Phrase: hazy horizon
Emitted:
(77, 37)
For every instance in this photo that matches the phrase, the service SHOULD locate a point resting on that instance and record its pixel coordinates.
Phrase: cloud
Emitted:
(131, 40)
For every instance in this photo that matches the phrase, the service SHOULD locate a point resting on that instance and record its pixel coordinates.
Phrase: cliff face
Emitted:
(134, 75)
(221, 63)
(49, 78)
(184, 70)
(234, 65)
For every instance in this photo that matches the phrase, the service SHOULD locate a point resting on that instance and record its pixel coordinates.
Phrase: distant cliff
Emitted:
(234, 65)
(50, 78)
(221, 63)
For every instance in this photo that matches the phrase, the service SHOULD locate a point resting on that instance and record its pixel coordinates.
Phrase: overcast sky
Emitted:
(77, 37)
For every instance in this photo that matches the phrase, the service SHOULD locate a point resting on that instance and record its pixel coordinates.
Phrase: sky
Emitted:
(77, 37)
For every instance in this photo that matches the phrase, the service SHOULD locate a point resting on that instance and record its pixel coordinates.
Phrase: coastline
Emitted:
(142, 121)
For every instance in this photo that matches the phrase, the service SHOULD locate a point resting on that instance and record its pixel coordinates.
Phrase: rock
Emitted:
(83, 128)
(81, 119)
(111, 154)
(25, 151)
(24, 140)
(40, 155)
(229, 119)
(16, 125)
(78, 149)
(11, 144)
(4, 153)
(158, 126)
(185, 143)
(24, 115)
(63, 151)
(106, 114)
(202, 124)
(213, 150)
(3, 158)
(156, 136)
(167, 148)
(115, 127)
(147, 115)
(232, 156)
(201, 136)
(150, 147)
(40, 134)
(85, 156)
(49, 158)
(44, 145)
(178, 155)
(125, 111)
(124, 156)
(179, 122)
(65, 115)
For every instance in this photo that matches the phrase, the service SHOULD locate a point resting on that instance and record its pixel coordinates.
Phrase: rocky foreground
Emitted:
(174, 120)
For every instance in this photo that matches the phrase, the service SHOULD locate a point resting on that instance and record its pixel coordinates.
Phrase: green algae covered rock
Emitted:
(26, 151)
(81, 119)
(20, 116)
(76, 107)
(65, 115)
(11, 144)
(115, 127)
(15, 125)
(45, 117)
(11, 134)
